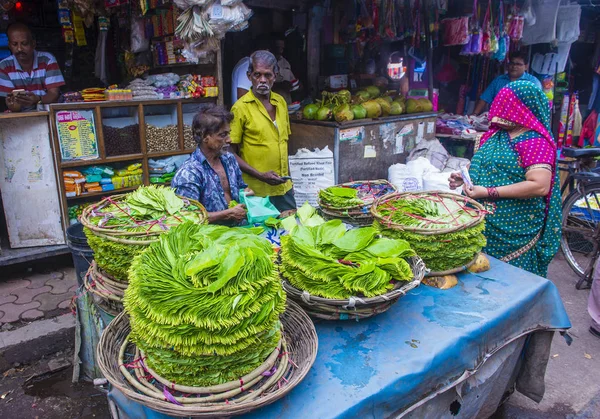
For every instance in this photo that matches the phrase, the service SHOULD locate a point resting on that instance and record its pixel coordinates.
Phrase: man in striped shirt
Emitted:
(35, 72)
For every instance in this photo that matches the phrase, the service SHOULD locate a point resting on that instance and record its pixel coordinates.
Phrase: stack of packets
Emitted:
(194, 86)
(129, 177)
(101, 179)
(162, 171)
(93, 94)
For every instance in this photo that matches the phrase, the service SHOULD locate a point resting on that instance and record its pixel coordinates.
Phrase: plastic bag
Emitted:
(259, 209)
(404, 179)
(139, 42)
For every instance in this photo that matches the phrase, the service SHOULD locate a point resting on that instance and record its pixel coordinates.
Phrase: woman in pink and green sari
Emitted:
(514, 171)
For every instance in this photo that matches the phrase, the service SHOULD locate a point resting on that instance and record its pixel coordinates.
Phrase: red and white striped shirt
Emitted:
(44, 75)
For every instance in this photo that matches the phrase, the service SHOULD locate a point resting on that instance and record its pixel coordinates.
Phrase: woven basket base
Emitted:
(455, 270)
(354, 308)
(301, 340)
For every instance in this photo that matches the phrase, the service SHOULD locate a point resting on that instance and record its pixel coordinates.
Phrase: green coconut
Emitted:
(344, 95)
(385, 106)
(373, 91)
(324, 113)
(413, 106)
(396, 108)
(388, 99)
(359, 111)
(343, 113)
(310, 111)
(363, 95)
(373, 109)
(425, 104)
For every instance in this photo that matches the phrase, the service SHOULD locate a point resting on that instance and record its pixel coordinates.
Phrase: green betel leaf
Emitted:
(289, 223)
(383, 248)
(305, 212)
(229, 268)
(342, 192)
(329, 232)
(356, 239)
(314, 221)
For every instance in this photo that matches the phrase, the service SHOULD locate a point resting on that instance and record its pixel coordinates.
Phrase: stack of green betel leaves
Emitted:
(351, 202)
(207, 330)
(446, 230)
(334, 273)
(204, 304)
(120, 227)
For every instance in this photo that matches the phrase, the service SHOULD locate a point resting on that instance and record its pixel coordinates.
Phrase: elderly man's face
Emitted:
(262, 78)
(219, 142)
(21, 45)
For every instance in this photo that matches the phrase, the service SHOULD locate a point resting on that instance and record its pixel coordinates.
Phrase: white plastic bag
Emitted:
(311, 171)
(438, 181)
(404, 179)
(567, 23)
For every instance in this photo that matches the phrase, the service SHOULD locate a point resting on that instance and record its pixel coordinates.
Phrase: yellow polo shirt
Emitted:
(263, 145)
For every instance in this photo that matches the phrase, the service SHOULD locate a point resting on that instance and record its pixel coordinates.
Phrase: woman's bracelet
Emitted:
(493, 193)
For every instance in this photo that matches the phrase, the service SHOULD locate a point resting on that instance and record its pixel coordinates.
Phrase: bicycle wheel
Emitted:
(580, 221)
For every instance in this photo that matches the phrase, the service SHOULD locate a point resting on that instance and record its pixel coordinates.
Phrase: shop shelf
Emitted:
(103, 193)
(107, 160)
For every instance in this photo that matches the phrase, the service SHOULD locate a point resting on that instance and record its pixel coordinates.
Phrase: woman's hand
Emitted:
(237, 213)
(249, 192)
(476, 192)
(455, 180)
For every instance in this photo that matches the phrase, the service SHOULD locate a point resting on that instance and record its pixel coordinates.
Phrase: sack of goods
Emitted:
(446, 230)
(207, 330)
(339, 274)
(351, 202)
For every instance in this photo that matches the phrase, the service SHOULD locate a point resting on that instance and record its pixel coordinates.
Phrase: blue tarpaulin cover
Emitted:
(429, 340)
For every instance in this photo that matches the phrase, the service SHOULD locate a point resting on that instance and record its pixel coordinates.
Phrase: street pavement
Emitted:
(573, 374)
(572, 377)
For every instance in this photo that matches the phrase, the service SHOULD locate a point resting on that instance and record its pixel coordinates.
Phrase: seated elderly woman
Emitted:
(212, 175)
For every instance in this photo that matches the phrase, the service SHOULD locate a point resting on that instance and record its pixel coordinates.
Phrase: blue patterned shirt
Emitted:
(499, 82)
(197, 180)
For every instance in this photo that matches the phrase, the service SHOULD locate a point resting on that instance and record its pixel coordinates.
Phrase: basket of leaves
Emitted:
(445, 229)
(351, 202)
(336, 274)
(121, 226)
(107, 292)
(207, 332)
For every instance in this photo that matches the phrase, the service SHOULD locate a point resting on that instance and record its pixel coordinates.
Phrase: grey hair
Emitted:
(263, 57)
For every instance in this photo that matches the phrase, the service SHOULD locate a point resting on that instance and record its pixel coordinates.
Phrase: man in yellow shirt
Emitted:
(260, 132)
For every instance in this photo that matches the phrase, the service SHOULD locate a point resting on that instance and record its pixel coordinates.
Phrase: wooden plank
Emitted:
(99, 132)
(219, 75)
(58, 170)
(143, 144)
(116, 159)
(14, 115)
(124, 103)
(102, 193)
(180, 124)
(369, 121)
(28, 254)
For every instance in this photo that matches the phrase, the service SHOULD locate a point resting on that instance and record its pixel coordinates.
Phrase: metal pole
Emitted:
(429, 66)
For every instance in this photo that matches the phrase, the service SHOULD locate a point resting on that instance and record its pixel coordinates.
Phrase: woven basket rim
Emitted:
(417, 266)
(426, 231)
(121, 236)
(367, 202)
(297, 326)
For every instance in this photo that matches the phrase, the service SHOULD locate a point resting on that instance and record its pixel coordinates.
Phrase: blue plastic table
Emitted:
(426, 341)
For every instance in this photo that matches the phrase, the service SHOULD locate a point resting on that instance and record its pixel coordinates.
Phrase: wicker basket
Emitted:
(107, 292)
(115, 246)
(257, 389)
(477, 212)
(112, 233)
(358, 215)
(355, 308)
